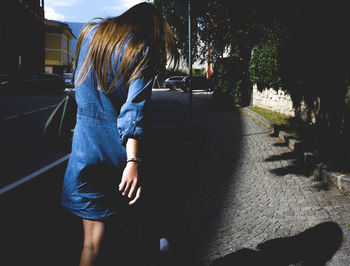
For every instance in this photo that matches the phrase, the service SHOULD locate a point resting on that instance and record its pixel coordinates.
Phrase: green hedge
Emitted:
(264, 66)
(230, 79)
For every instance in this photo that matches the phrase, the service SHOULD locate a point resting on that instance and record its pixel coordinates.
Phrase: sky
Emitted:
(72, 11)
(85, 10)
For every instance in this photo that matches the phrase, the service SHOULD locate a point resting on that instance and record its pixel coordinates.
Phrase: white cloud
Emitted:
(50, 13)
(60, 2)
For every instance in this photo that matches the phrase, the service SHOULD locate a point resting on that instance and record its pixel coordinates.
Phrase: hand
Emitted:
(129, 183)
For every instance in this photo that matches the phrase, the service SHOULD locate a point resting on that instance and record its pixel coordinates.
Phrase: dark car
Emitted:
(197, 83)
(68, 80)
(173, 82)
(42, 82)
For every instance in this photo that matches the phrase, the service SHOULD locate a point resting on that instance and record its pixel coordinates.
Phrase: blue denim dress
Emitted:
(98, 157)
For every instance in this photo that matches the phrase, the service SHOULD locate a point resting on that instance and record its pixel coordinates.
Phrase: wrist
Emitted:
(134, 160)
(132, 165)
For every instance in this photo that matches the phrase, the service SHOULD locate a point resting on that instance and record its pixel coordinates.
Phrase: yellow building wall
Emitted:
(58, 48)
(53, 41)
(53, 58)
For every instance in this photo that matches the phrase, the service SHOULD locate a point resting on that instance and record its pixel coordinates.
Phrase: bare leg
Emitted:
(93, 234)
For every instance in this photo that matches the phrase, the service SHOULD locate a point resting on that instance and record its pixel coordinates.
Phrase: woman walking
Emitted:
(115, 61)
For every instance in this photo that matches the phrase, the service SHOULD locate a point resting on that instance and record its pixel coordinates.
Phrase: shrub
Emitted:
(229, 79)
(264, 66)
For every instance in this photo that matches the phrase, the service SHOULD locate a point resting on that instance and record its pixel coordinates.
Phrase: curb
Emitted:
(258, 117)
(292, 144)
(341, 181)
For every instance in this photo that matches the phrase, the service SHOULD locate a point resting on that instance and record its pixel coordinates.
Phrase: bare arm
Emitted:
(129, 184)
(132, 147)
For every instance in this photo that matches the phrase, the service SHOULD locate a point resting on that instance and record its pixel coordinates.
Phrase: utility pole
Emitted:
(189, 63)
(180, 10)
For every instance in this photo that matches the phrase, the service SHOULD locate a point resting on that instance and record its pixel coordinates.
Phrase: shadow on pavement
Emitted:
(296, 166)
(280, 144)
(283, 156)
(315, 246)
(194, 179)
(35, 230)
(191, 179)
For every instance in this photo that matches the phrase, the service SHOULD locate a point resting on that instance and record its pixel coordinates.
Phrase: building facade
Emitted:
(58, 43)
(21, 36)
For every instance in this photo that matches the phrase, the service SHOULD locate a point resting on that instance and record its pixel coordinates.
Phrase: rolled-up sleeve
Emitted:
(134, 113)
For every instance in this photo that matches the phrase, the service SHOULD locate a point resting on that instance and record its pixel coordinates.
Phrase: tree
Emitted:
(179, 25)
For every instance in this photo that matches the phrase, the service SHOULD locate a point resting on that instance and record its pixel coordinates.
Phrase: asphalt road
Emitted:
(226, 191)
(18, 103)
(23, 149)
(22, 118)
(34, 228)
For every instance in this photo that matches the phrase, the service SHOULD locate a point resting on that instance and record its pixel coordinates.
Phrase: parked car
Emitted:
(197, 83)
(173, 82)
(68, 80)
(42, 82)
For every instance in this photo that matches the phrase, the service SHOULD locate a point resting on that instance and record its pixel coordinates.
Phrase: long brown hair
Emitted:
(148, 40)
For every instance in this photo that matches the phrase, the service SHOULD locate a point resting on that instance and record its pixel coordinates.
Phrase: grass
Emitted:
(274, 117)
(283, 121)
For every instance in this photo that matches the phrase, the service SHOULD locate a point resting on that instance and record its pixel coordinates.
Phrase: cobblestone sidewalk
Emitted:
(240, 187)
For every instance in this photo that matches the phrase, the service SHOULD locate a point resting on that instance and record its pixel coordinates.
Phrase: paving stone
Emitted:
(248, 185)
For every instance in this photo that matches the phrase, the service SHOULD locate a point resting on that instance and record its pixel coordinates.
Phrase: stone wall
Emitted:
(279, 101)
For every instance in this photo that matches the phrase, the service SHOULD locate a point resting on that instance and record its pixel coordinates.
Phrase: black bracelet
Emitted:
(134, 159)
